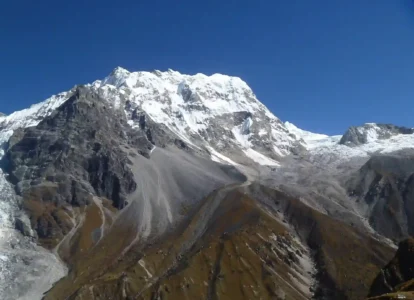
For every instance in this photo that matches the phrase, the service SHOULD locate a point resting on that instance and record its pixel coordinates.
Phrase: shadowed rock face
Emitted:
(384, 189)
(85, 151)
(157, 134)
(69, 156)
(399, 273)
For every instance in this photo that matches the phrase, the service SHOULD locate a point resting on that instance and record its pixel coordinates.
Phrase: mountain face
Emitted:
(219, 113)
(384, 189)
(159, 185)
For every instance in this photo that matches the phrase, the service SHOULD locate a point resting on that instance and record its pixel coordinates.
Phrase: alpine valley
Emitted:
(159, 185)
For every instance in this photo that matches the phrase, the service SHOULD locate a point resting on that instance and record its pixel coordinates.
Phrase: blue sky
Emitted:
(323, 65)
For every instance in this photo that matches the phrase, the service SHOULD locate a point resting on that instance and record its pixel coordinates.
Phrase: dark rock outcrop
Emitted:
(399, 270)
(186, 92)
(384, 189)
(22, 225)
(76, 152)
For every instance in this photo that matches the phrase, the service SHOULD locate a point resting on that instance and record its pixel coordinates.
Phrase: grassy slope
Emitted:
(233, 258)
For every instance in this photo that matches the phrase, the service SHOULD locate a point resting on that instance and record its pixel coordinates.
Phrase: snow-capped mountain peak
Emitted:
(217, 111)
(117, 77)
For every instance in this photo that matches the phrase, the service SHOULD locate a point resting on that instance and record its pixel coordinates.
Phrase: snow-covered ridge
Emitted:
(219, 94)
(313, 140)
(219, 113)
(358, 141)
(33, 115)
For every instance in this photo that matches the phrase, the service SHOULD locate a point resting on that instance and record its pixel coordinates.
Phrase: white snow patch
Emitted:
(260, 158)
(262, 132)
(242, 139)
(141, 262)
(277, 150)
(216, 156)
(371, 133)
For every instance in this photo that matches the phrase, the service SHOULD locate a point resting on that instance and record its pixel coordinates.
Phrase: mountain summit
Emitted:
(153, 185)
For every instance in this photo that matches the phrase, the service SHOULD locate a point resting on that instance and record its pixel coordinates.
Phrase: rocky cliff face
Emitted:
(70, 155)
(384, 189)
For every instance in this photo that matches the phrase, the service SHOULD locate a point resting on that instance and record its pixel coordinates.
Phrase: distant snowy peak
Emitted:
(372, 132)
(358, 140)
(2, 115)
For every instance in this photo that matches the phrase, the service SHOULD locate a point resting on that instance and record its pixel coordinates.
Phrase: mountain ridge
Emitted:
(191, 121)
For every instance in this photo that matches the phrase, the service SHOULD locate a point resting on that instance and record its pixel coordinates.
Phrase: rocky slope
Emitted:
(275, 247)
(159, 185)
(384, 189)
(396, 279)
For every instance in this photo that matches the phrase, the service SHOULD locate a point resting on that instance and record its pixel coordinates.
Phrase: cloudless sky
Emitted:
(323, 65)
